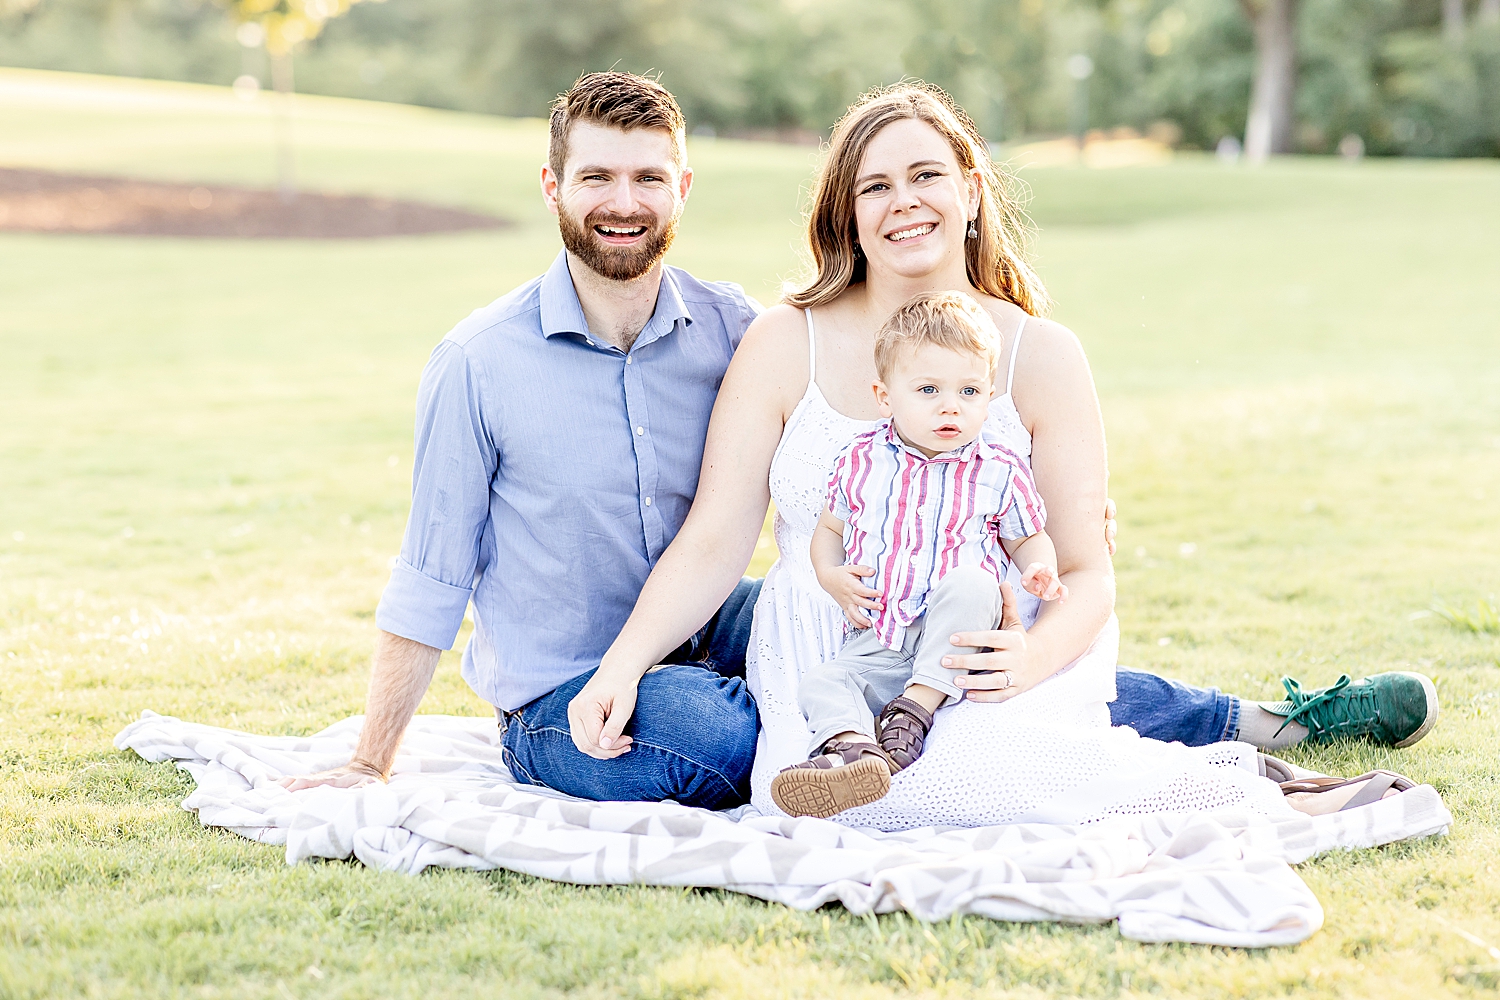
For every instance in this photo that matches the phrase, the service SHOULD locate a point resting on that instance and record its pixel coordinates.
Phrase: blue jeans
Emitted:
(693, 731)
(1172, 711)
(694, 726)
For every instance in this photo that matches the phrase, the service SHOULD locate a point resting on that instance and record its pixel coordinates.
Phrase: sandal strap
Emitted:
(902, 705)
(1380, 782)
(903, 727)
(849, 751)
(1275, 768)
(1377, 783)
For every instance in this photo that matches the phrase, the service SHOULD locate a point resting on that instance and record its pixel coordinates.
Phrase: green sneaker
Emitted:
(1395, 709)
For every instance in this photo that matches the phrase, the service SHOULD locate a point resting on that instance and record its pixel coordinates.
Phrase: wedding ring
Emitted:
(1009, 680)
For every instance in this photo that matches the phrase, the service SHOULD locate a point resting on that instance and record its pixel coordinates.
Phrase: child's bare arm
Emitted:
(1038, 558)
(843, 583)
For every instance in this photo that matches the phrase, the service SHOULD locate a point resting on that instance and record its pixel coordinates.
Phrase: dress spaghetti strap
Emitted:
(812, 352)
(1015, 349)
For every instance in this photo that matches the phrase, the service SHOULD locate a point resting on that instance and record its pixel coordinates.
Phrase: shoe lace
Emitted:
(1333, 711)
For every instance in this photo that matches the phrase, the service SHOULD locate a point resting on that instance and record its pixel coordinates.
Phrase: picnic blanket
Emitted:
(1214, 878)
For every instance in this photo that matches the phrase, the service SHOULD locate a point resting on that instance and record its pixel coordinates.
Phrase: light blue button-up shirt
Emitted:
(552, 470)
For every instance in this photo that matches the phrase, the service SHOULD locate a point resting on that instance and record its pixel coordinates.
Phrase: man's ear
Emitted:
(550, 182)
(685, 184)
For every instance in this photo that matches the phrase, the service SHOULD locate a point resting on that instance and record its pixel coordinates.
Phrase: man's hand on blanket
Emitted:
(992, 676)
(352, 775)
(598, 713)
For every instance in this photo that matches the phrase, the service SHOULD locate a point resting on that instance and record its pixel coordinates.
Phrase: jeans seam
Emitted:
(706, 769)
(514, 764)
(713, 771)
(1232, 726)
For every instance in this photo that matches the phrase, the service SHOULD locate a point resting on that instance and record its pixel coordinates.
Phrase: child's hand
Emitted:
(1042, 580)
(844, 584)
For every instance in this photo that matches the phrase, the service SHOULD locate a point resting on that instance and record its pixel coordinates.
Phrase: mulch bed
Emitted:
(40, 201)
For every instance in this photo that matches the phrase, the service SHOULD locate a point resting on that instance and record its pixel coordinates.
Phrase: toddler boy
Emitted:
(930, 513)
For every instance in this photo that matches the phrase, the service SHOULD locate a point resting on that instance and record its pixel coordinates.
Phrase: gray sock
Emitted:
(1259, 726)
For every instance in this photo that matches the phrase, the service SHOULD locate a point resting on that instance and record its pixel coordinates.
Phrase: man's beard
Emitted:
(613, 262)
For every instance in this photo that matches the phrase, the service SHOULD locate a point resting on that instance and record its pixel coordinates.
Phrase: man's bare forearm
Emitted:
(399, 677)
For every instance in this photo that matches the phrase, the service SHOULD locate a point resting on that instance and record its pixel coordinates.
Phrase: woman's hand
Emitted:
(844, 584)
(1009, 661)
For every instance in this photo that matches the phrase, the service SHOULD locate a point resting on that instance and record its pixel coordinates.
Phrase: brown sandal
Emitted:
(843, 776)
(1377, 784)
(902, 730)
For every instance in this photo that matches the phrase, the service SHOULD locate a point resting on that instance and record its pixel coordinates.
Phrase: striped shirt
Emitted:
(914, 518)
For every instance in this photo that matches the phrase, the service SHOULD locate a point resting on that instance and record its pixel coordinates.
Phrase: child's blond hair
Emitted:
(945, 319)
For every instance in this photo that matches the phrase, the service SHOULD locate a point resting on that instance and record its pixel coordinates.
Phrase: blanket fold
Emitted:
(1219, 878)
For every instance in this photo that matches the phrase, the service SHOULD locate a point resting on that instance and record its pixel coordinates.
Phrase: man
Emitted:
(559, 435)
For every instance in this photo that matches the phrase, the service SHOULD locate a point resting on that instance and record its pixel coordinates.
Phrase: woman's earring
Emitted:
(973, 230)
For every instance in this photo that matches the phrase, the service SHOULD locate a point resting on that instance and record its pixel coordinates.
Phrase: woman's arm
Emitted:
(714, 546)
(1055, 392)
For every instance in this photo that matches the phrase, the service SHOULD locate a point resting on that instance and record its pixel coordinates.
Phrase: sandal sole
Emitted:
(825, 792)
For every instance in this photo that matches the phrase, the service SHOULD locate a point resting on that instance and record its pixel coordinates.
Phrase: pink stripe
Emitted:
(1021, 478)
(971, 499)
(859, 472)
(1023, 485)
(950, 543)
(894, 564)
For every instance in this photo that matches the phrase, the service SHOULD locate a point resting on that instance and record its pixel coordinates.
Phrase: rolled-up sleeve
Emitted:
(453, 468)
(1023, 513)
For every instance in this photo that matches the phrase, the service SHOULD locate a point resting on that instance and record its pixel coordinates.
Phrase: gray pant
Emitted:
(846, 693)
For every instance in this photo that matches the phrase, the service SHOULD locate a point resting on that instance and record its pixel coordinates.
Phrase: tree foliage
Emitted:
(1380, 69)
(287, 22)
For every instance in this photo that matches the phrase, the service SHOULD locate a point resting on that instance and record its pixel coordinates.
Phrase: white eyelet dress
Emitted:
(1048, 755)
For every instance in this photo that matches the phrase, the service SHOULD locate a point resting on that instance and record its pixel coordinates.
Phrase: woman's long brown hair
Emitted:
(996, 260)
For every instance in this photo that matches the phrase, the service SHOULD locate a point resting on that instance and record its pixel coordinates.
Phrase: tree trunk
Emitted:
(1269, 128)
(1453, 22)
(283, 84)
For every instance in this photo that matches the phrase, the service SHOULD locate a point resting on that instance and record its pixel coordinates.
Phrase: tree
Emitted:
(283, 24)
(1268, 130)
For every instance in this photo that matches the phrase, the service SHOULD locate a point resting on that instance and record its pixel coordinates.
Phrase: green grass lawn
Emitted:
(204, 459)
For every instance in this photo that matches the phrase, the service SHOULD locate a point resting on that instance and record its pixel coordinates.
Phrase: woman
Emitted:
(909, 201)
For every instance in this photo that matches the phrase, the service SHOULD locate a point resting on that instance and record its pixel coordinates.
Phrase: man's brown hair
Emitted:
(615, 100)
(945, 319)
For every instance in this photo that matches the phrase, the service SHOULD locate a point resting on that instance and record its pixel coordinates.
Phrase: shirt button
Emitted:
(628, 359)
(648, 501)
(589, 342)
(639, 431)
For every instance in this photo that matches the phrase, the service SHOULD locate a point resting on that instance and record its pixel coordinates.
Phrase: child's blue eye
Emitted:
(970, 391)
(928, 389)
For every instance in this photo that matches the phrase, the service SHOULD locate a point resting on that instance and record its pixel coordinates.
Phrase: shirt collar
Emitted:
(563, 313)
(960, 454)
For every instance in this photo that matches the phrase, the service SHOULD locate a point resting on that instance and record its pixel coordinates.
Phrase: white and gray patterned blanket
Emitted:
(1220, 878)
